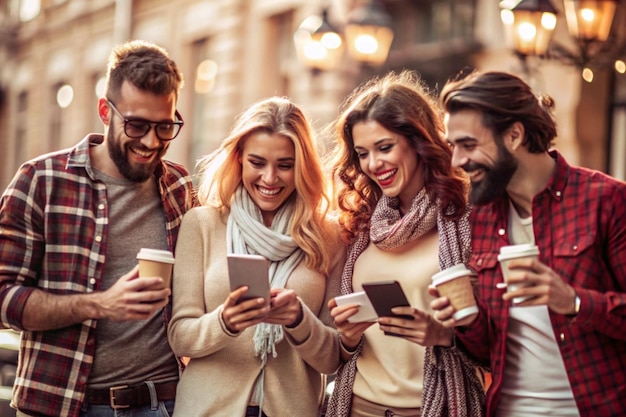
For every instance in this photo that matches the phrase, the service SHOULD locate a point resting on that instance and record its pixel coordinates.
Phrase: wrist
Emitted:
(298, 319)
(576, 304)
(447, 337)
(347, 345)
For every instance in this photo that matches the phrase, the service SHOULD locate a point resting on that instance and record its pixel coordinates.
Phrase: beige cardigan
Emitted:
(222, 369)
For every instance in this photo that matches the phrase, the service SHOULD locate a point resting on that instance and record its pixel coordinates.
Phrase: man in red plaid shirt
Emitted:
(562, 352)
(71, 223)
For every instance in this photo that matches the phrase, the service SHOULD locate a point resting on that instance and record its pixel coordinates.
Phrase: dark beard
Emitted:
(119, 156)
(495, 180)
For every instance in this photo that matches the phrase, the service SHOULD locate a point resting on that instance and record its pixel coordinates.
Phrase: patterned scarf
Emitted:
(451, 385)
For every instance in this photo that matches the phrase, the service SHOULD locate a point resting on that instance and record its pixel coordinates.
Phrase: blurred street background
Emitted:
(53, 57)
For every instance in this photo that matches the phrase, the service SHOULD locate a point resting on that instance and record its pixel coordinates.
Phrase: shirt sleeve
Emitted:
(21, 245)
(605, 312)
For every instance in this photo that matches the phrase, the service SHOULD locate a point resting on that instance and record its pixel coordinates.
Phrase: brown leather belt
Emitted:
(125, 396)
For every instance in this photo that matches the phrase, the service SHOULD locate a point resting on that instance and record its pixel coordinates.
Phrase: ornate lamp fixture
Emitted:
(595, 25)
(368, 35)
(319, 45)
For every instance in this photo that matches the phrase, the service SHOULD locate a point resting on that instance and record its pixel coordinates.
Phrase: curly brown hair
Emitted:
(402, 104)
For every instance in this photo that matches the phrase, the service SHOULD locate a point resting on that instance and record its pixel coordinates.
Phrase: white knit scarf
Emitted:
(451, 386)
(246, 233)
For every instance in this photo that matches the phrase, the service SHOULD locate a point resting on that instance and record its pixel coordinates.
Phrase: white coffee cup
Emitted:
(507, 254)
(156, 263)
(456, 284)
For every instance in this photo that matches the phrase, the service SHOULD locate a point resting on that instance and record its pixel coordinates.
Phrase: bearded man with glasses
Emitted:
(71, 223)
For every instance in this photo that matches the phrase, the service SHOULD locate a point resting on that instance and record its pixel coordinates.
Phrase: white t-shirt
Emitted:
(535, 382)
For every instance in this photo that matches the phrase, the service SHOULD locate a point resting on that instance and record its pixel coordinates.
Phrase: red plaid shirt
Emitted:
(579, 222)
(53, 232)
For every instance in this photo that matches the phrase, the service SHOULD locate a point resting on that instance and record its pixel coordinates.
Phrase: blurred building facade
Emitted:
(53, 56)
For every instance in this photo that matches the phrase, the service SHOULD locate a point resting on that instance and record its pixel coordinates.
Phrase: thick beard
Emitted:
(495, 180)
(119, 156)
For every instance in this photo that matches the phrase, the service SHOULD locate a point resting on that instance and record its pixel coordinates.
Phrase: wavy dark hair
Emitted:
(402, 104)
(503, 99)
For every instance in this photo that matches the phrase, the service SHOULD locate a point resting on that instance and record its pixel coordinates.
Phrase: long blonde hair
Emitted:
(220, 173)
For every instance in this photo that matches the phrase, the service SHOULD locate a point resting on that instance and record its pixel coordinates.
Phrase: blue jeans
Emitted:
(163, 409)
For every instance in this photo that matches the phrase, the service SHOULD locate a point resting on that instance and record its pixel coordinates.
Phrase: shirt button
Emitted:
(562, 337)
(98, 238)
(479, 262)
(575, 247)
(92, 280)
(101, 206)
(558, 193)
(501, 232)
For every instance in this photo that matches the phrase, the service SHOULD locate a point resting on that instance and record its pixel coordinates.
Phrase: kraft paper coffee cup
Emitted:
(156, 263)
(455, 283)
(507, 254)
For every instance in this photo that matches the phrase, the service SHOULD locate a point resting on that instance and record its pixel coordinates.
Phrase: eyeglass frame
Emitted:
(153, 125)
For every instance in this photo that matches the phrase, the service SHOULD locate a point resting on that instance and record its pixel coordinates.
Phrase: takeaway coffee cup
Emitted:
(455, 283)
(507, 254)
(156, 263)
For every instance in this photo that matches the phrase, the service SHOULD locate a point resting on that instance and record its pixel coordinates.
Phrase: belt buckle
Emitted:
(112, 397)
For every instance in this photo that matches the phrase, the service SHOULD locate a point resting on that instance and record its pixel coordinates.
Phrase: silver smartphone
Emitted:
(250, 270)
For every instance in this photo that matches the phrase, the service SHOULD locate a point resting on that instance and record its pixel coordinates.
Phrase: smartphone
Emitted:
(384, 295)
(250, 270)
(366, 310)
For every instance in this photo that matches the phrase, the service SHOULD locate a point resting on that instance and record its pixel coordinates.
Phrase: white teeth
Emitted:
(474, 174)
(387, 175)
(141, 153)
(267, 191)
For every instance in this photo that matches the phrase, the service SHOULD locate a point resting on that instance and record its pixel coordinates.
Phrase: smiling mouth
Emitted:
(387, 177)
(142, 153)
(475, 175)
(269, 192)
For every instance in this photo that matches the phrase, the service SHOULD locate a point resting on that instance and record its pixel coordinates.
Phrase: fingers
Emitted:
(238, 313)
(285, 308)
(341, 314)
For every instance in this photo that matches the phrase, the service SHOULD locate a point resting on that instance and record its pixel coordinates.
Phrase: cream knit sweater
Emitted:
(222, 369)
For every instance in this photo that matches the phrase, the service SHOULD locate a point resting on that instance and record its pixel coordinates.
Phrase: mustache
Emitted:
(473, 166)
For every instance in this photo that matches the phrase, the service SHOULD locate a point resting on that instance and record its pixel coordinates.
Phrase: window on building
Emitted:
(205, 74)
(21, 123)
(29, 9)
(435, 37)
(98, 82)
(56, 119)
(280, 29)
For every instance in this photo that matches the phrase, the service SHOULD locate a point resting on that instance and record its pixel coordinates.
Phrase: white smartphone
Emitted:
(366, 310)
(250, 270)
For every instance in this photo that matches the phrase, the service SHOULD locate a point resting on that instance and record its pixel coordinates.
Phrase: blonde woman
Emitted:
(262, 192)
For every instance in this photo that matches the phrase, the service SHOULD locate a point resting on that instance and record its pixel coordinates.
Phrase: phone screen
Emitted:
(385, 295)
(250, 270)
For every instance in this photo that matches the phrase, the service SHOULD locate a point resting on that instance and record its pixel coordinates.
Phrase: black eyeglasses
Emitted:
(138, 128)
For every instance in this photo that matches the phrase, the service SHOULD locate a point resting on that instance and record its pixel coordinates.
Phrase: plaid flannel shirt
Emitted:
(579, 222)
(53, 235)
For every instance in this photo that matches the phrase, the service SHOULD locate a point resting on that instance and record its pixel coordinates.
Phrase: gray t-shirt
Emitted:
(133, 351)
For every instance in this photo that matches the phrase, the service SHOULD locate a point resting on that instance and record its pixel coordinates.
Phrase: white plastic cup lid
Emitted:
(456, 271)
(156, 255)
(518, 251)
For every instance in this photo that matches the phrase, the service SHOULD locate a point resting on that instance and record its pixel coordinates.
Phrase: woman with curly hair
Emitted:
(404, 215)
(262, 192)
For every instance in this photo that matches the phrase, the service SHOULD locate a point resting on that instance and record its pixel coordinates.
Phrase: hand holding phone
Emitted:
(251, 271)
(386, 295)
(366, 310)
